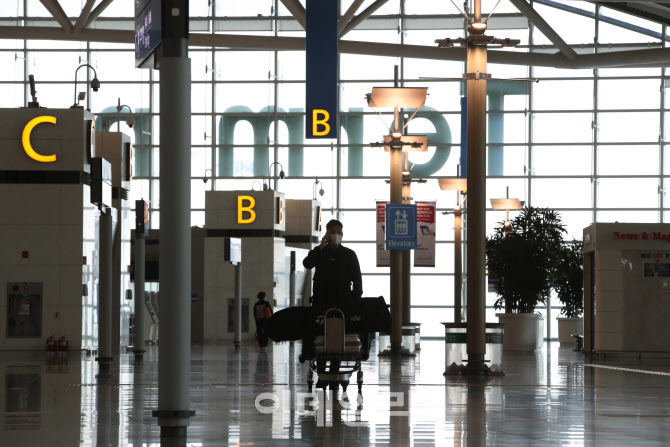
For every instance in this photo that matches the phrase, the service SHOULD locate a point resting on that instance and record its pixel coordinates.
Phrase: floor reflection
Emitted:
(252, 397)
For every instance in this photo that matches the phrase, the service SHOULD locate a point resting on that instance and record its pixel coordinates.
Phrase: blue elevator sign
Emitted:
(400, 227)
(321, 69)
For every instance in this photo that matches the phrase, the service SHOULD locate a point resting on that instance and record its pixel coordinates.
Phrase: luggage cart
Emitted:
(338, 355)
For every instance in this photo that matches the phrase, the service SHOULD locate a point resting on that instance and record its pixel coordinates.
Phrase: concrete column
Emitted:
(458, 265)
(105, 293)
(138, 342)
(175, 253)
(476, 253)
(237, 340)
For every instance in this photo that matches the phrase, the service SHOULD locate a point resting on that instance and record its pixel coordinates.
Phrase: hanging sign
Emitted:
(424, 255)
(383, 255)
(321, 68)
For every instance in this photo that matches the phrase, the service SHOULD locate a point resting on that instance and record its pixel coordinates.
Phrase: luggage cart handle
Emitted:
(325, 327)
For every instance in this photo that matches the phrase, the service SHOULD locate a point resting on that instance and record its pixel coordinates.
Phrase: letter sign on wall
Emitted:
(247, 209)
(321, 69)
(280, 210)
(25, 139)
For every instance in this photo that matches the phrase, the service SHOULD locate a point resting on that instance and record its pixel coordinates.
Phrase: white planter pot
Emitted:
(523, 332)
(567, 327)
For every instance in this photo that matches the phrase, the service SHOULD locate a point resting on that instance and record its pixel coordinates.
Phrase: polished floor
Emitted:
(257, 398)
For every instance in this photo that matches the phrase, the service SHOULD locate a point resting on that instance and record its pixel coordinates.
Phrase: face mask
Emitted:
(336, 239)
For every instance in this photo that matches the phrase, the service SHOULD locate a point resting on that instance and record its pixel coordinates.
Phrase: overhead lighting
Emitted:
(405, 172)
(479, 26)
(396, 135)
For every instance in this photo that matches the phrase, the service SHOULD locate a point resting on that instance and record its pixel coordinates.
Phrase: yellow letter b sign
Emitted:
(247, 208)
(320, 125)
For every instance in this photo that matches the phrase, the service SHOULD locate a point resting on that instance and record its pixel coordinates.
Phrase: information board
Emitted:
(148, 31)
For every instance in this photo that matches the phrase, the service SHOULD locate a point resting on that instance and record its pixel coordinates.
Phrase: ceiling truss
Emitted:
(565, 57)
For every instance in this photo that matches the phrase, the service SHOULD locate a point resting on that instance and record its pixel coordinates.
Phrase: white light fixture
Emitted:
(453, 183)
(478, 26)
(401, 97)
(506, 204)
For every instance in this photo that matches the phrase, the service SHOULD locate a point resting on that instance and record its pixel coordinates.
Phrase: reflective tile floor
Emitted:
(256, 398)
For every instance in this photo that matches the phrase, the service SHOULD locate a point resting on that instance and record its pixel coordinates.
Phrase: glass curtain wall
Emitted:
(589, 143)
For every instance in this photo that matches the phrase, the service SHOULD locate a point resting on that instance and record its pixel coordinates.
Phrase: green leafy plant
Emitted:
(569, 280)
(523, 257)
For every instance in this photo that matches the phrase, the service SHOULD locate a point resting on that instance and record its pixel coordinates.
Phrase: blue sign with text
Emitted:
(148, 31)
(400, 227)
(321, 69)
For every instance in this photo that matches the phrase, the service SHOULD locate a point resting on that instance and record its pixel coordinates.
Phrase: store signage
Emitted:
(400, 227)
(424, 255)
(27, 146)
(321, 69)
(644, 236)
(245, 209)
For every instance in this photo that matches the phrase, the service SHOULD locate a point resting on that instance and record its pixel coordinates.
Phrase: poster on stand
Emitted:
(383, 255)
(424, 255)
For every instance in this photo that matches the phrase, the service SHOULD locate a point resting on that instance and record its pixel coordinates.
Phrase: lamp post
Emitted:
(476, 77)
(396, 144)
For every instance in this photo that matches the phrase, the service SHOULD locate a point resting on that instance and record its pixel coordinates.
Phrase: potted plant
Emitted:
(522, 255)
(569, 285)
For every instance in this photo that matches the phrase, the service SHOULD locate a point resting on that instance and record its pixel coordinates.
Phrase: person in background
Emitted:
(262, 312)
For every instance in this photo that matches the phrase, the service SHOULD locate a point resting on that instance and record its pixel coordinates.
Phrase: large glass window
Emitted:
(589, 143)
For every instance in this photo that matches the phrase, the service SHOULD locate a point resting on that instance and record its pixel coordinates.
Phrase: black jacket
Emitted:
(338, 274)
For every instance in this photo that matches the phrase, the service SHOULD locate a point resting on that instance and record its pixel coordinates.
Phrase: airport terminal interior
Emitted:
(154, 181)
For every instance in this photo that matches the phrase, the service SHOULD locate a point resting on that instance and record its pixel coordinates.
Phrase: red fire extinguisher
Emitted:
(51, 344)
(62, 343)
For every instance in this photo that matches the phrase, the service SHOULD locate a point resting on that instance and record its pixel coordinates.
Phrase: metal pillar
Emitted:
(175, 223)
(396, 255)
(476, 170)
(237, 341)
(138, 338)
(406, 258)
(458, 266)
(396, 273)
(105, 294)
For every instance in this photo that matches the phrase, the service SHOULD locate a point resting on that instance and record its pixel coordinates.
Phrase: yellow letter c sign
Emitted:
(26, 139)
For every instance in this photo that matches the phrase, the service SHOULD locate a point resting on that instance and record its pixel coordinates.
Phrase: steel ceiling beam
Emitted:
(346, 18)
(57, 12)
(83, 17)
(537, 20)
(97, 11)
(297, 11)
(631, 58)
(367, 12)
